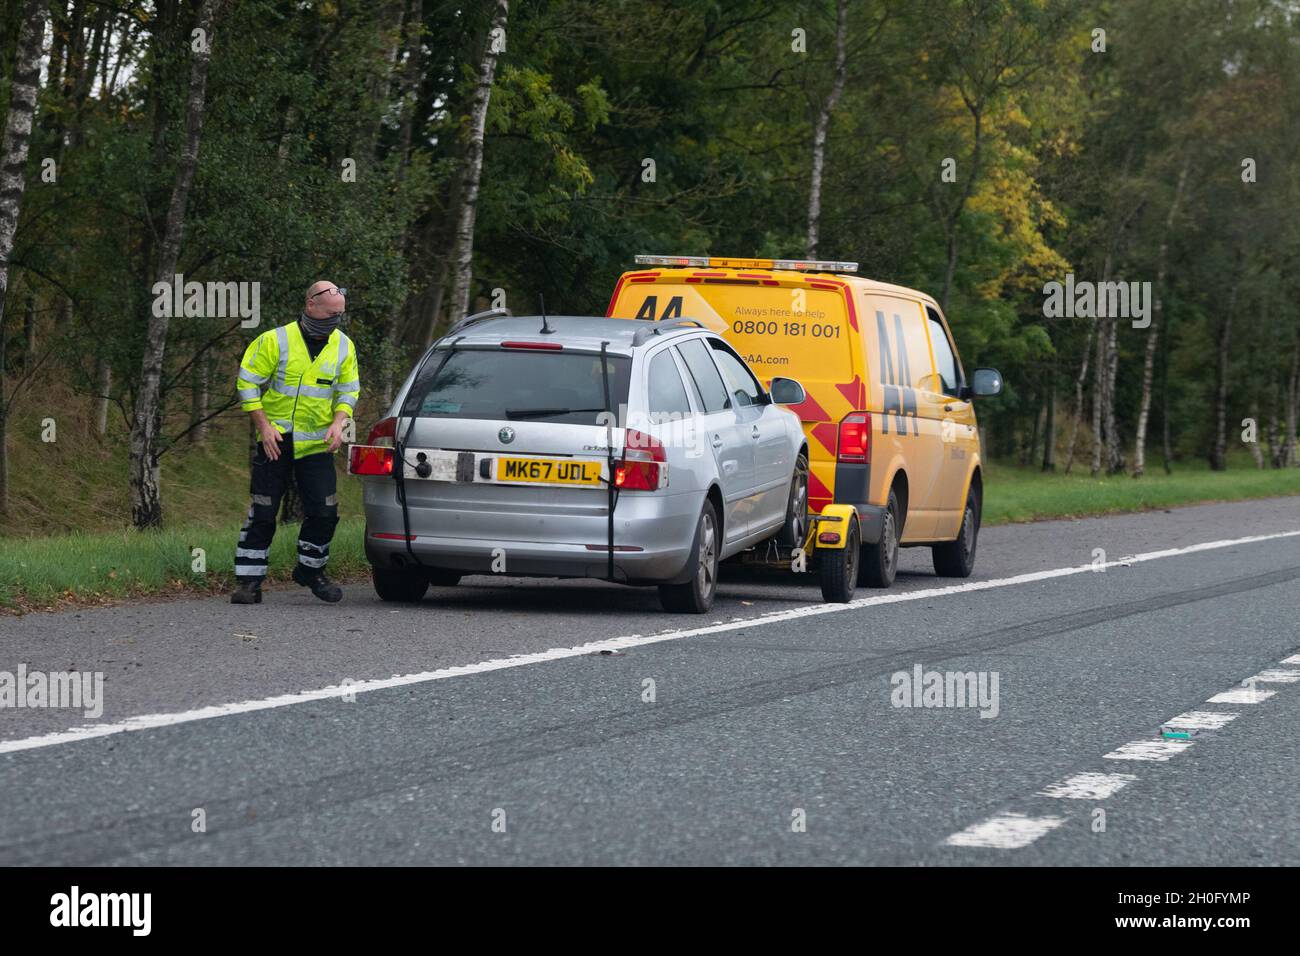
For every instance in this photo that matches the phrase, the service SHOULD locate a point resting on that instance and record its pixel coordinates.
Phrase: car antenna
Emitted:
(546, 329)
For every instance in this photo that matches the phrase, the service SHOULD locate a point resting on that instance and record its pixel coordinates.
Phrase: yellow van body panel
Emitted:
(855, 345)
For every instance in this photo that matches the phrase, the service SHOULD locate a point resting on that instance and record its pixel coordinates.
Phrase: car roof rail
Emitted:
(477, 317)
(661, 326)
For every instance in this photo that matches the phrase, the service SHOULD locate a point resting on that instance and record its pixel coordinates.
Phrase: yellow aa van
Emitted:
(888, 409)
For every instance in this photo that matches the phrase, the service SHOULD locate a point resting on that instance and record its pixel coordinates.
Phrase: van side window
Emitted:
(667, 395)
(742, 385)
(708, 383)
(945, 361)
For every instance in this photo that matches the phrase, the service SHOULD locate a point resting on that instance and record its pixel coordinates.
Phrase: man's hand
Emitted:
(335, 433)
(271, 439)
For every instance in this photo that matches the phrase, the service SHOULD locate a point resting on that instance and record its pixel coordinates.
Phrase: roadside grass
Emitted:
(109, 566)
(1027, 494)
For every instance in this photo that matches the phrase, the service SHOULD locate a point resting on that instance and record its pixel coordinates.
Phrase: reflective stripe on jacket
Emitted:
(298, 393)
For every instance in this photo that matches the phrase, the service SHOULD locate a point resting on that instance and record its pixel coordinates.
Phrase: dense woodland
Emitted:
(425, 154)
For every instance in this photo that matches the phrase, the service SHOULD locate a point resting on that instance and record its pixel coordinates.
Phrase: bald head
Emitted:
(324, 300)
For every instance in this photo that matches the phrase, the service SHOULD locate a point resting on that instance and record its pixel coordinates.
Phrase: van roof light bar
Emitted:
(728, 262)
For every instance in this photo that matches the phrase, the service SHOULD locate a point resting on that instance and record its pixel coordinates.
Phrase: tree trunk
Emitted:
(1255, 451)
(1153, 333)
(103, 385)
(199, 398)
(146, 500)
(462, 249)
(1099, 377)
(18, 132)
(1049, 431)
(822, 128)
(1079, 380)
(1218, 456)
(1292, 403)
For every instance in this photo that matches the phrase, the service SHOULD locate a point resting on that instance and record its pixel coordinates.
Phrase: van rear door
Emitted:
(790, 324)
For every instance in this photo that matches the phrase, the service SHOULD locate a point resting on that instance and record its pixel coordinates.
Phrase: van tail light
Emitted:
(370, 460)
(383, 432)
(855, 438)
(644, 465)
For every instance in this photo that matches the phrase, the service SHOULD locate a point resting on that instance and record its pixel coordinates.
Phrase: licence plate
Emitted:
(549, 471)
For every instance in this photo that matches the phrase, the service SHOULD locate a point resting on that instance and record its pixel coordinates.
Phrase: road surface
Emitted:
(540, 722)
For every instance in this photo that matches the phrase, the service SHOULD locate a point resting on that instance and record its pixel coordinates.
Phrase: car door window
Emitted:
(708, 383)
(741, 384)
(666, 395)
(945, 360)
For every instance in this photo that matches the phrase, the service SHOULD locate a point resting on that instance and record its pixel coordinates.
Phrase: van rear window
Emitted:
(509, 385)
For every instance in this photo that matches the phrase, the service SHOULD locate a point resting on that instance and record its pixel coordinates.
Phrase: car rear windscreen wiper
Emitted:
(546, 412)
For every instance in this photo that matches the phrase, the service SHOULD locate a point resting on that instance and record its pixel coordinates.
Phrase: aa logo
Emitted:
(673, 310)
(899, 396)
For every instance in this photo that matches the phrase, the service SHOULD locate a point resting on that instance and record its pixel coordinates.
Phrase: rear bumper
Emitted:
(511, 542)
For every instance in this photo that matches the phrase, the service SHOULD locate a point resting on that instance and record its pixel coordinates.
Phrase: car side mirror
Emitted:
(786, 391)
(985, 382)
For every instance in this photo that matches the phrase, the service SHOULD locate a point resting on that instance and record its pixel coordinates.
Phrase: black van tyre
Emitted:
(795, 529)
(838, 568)
(399, 584)
(880, 560)
(956, 559)
(696, 595)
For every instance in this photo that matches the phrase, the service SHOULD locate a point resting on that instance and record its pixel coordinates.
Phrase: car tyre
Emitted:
(696, 595)
(880, 560)
(405, 585)
(956, 559)
(838, 568)
(795, 529)
(442, 578)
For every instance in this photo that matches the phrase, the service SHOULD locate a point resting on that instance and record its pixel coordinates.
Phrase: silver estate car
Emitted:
(634, 451)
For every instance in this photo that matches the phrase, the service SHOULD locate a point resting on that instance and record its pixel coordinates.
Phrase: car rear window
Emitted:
(521, 385)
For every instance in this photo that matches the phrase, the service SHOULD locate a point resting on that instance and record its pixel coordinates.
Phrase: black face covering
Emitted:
(319, 328)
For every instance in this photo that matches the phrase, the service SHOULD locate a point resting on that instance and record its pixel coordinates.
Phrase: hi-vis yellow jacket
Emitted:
(299, 394)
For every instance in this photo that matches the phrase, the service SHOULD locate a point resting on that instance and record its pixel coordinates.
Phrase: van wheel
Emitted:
(696, 595)
(838, 568)
(956, 559)
(403, 585)
(795, 529)
(880, 560)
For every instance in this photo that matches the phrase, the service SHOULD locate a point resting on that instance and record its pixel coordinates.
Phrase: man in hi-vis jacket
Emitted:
(300, 384)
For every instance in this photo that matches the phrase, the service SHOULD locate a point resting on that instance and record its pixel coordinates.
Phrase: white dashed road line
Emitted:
(1242, 695)
(1088, 786)
(1006, 831)
(1200, 720)
(1159, 750)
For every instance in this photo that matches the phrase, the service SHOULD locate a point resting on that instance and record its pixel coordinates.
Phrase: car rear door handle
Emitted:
(754, 432)
(717, 441)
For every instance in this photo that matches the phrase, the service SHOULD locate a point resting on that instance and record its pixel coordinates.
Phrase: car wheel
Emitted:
(795, 529)
(838, 568)
(956, 559)
(696, 595)
(393, 584)
(880, 560)
(441, 578)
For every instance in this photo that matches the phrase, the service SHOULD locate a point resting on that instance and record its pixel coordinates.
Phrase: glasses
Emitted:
(336, 290)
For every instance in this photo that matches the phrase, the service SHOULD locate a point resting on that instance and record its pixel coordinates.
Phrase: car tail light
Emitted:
(370, 460)
(855, 438)
(644, 464)
(385, 429)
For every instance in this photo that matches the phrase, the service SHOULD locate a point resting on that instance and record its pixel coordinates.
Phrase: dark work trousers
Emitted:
(317, 484)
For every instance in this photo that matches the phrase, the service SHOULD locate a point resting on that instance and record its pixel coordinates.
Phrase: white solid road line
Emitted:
(1006, 831)
(1088, 786)
(348, 689)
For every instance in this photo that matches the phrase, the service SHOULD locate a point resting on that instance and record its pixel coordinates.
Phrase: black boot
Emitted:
(248, 591)
(321, 586)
